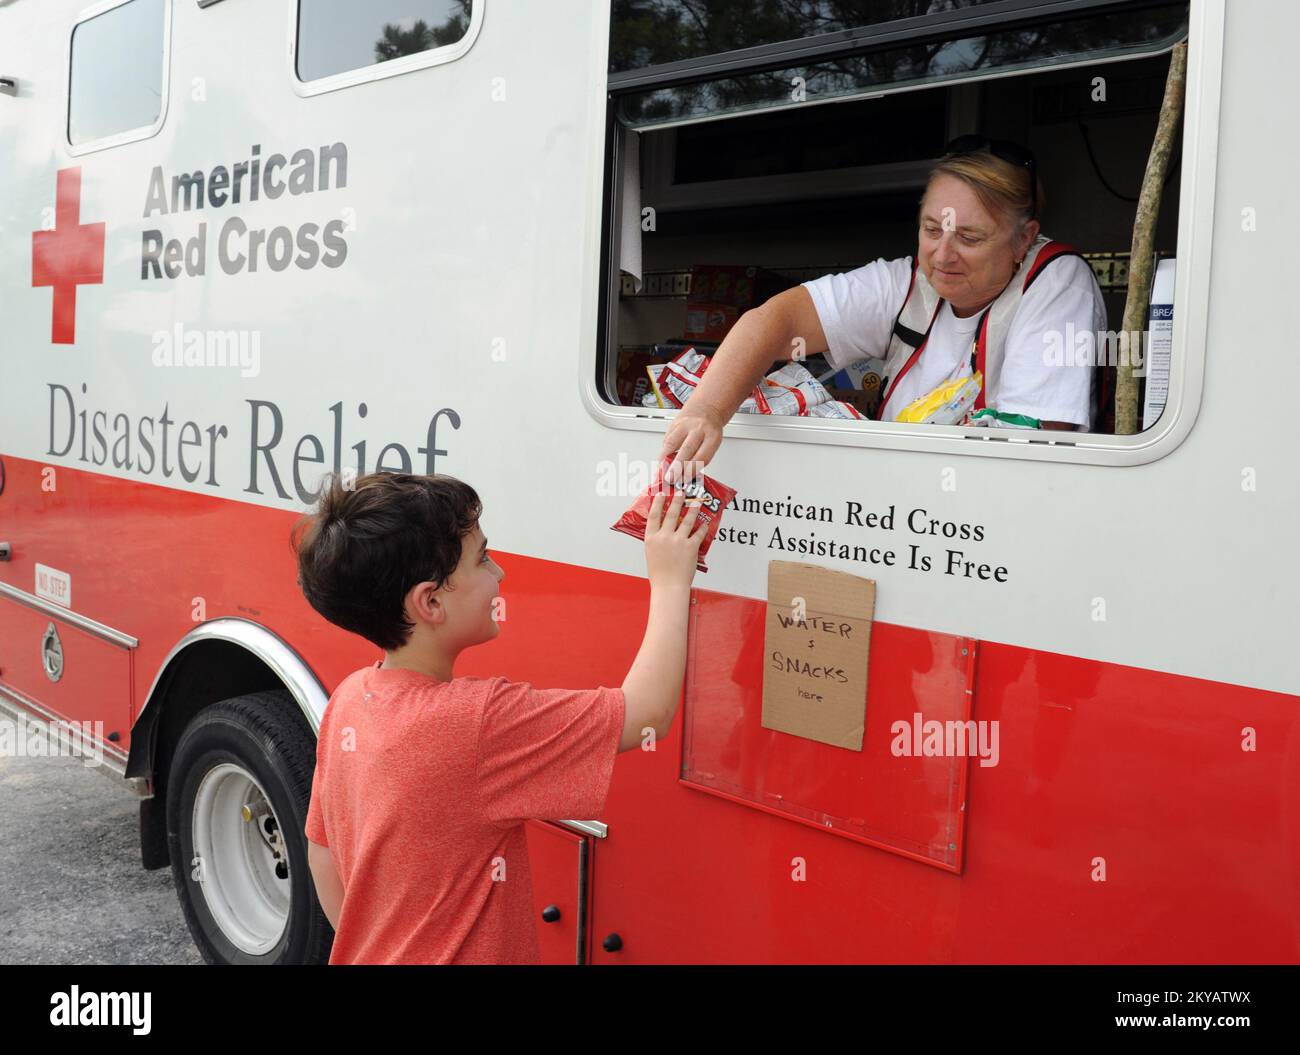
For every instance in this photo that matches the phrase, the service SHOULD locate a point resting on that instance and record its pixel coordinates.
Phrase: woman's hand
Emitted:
(763, 335)
(694, 436)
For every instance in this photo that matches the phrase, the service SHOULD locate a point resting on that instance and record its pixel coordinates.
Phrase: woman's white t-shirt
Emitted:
(857, 311)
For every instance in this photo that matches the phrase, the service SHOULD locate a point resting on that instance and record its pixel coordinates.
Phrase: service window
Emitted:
(731, 180)
(340, 42)
(117, 86)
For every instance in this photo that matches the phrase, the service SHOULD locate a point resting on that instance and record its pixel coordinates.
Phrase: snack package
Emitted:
(996, 419)
(946, 405)
(836, 409)
(791, 390)
(713, 496)
(672, 383)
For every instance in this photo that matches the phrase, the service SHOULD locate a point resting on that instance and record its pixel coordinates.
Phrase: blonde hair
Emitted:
(1002, 188)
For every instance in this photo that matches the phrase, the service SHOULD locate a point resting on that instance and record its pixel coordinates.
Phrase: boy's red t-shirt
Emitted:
(420, 793)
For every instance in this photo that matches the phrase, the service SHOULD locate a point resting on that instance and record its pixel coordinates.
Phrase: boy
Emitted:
(423, 779)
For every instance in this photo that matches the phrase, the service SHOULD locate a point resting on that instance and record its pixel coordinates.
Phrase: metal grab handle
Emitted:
(8, 86)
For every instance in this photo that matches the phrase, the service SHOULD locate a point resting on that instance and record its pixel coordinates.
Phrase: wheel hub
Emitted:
(243, 862)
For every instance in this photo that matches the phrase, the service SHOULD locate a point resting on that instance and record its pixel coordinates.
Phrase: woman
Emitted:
(979, 295)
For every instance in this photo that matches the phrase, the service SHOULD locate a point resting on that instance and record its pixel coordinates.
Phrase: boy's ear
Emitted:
(424, 603)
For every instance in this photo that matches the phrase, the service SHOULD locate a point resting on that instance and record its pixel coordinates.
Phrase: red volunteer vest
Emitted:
(921, 307)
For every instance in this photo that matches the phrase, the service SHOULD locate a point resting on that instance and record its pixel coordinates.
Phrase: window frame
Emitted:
(1191, 289)
(999, 15)
(378, 70)
(129, 135)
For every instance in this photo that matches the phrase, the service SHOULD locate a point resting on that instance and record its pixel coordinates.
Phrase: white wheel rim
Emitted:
(238, 857)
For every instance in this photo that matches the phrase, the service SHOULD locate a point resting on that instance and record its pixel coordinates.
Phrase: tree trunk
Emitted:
(1141, 259)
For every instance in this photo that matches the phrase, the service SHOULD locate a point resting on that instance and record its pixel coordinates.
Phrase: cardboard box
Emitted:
(709, 322)
(721, 293)
(733, 285)
(632, 382)
(858, 384)
(864, 402)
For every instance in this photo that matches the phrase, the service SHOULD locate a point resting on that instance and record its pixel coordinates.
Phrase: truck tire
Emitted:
(237, 798)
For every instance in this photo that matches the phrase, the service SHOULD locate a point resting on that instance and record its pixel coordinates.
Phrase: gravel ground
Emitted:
(72, 889)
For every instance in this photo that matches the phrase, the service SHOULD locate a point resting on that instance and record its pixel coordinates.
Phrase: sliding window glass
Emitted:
(117, 74)
(341, 42)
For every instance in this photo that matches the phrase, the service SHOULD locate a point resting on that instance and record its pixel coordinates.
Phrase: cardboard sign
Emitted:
(815, 652)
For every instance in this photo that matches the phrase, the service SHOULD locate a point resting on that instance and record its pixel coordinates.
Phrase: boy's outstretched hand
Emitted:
(672, 541)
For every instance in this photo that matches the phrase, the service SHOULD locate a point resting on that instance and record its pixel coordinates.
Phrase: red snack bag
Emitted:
(713, 498)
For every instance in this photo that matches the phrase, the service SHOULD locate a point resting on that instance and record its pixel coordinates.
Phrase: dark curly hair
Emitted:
(367, 545)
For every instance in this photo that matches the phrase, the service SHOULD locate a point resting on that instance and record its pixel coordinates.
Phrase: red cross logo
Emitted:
(69, 256)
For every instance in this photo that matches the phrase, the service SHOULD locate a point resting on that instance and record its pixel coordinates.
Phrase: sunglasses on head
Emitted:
(1007, 151)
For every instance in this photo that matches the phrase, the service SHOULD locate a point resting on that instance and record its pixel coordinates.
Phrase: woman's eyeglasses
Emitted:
(1007, 151)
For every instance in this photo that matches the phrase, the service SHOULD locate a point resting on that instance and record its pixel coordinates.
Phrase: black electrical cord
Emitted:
(1087, 142)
